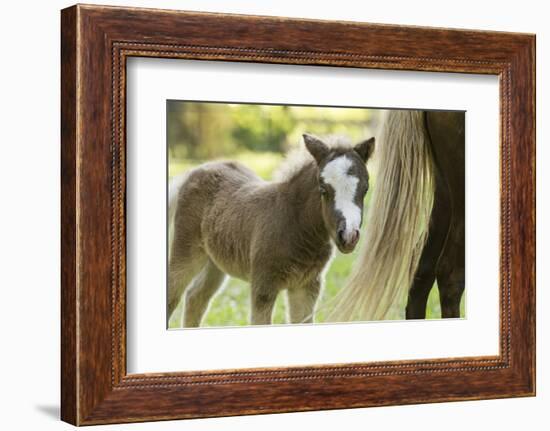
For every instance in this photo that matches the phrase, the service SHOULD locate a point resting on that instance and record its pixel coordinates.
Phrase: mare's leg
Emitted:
(425, 274)
(302, 300)
(201, 291)
(451, 274)
(451, 288)
(421, 287)
(447, 131)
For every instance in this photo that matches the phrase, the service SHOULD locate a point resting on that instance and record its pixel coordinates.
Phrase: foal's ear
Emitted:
(316, 147)
(365, 149)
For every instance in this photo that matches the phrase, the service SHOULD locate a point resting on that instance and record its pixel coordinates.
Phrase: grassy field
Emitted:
(231, 306)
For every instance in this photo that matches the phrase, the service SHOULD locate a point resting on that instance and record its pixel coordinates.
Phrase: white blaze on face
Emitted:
(335, 173)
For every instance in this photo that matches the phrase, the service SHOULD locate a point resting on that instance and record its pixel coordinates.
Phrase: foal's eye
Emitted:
(323, 190)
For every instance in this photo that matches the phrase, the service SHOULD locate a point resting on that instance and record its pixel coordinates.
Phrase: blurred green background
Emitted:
(259, 136)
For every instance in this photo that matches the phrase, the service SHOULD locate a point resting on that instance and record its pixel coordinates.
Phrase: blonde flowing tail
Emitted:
(396, 225)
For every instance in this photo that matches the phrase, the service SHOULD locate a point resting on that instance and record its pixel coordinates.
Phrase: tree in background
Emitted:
(262, 127)
(201, 131)
(198, 130)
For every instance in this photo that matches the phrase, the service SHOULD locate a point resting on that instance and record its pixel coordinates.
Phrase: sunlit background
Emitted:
(259, 136)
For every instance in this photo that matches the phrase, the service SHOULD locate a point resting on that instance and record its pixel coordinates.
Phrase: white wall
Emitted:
(29, 213)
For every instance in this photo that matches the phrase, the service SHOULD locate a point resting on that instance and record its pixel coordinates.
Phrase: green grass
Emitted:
(231, 305)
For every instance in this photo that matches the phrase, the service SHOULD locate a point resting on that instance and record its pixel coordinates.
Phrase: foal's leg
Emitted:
(263, 299)
(181, 271)
(187, 256)
(302, 300)
(201, 291)
(186, 260)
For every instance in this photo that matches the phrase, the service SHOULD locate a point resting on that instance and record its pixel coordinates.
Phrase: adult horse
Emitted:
(415, 226)
(277, 235)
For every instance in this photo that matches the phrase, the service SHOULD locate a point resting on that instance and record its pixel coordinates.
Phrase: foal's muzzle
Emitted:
(347, 240)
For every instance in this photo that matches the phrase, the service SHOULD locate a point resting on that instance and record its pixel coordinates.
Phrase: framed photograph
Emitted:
(264, 214)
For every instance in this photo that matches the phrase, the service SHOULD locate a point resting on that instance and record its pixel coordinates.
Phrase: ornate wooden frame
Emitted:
(95, 43)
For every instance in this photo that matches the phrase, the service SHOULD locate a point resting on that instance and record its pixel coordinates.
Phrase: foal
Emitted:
(276, 235)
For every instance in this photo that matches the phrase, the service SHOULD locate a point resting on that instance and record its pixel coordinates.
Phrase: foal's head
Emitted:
(343, 184)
